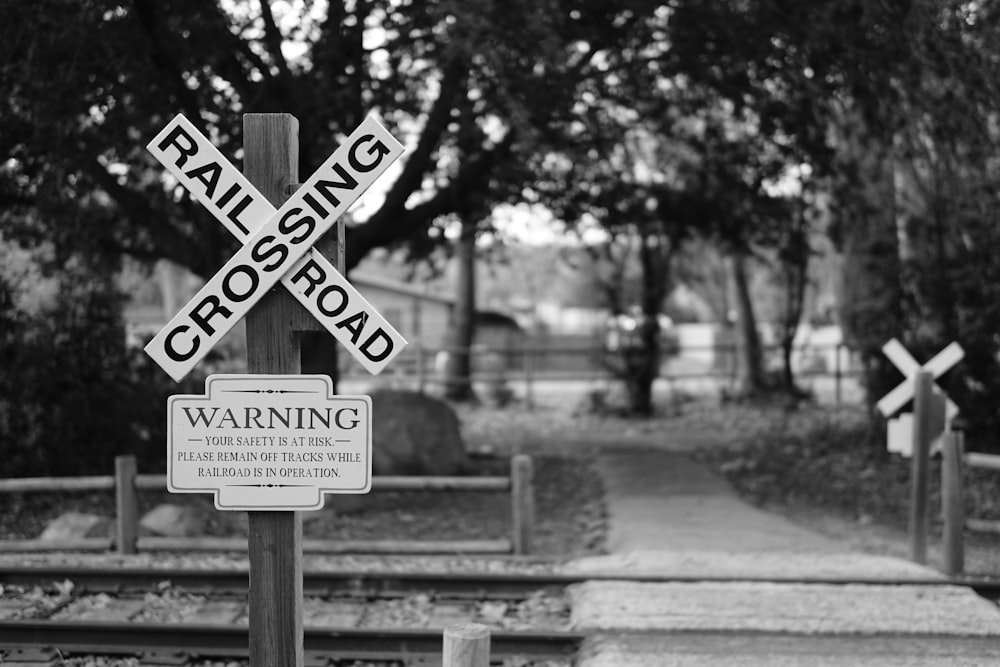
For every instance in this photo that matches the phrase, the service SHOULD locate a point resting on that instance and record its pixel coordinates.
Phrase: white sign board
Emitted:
(274, 251)
(269, 442)
(900, 430)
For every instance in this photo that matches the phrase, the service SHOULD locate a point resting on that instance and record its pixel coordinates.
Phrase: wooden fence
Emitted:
(954, 461)
(127, 483)
(525, 366)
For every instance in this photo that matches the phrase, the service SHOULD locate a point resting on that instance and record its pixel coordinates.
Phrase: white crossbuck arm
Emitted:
(278, 244)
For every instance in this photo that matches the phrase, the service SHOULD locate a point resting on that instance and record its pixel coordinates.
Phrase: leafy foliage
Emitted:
(88, 83)
(72, 395)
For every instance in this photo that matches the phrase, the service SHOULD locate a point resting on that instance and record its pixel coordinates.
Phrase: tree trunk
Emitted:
(642, 367)
(458, 369)
(795, 267)
(749, 352)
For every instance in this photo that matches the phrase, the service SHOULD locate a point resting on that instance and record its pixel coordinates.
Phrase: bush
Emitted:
(72, 395)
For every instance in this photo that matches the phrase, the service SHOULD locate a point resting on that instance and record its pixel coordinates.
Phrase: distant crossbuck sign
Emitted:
(943, 409)
(278, 246)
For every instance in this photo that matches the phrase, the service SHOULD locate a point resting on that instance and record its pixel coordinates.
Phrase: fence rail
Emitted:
(126, 482)
(955, 460)
(526, 365)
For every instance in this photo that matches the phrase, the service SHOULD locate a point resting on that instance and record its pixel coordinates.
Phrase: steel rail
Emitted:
(106, 638)
(387, 584)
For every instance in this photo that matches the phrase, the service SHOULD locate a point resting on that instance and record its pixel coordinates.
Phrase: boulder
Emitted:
(170, 520)
(415, 434)
(76, 525)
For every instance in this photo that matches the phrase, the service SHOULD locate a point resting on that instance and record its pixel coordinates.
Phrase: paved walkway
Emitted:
(743, 599)
(659, 500)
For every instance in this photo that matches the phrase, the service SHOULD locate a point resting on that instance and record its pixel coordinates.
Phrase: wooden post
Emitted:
(126, 505)
(529, 363)
(421, 380)
(837, 373)
(270, 144)
(466, 645)
(953, 502)
(522, 502)
(923, 386)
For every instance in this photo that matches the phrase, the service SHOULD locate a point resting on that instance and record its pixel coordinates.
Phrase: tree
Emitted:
(90, 82)
(462, 328)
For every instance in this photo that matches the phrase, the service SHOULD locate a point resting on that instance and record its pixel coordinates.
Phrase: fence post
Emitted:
(522, 502)
(466, 645)
(529, 363)
(126, 504)
(421, 380)
(953, 502)
(919, 466)
(837, 373)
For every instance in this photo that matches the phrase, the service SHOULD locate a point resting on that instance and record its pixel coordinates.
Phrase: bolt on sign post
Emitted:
(272, 442)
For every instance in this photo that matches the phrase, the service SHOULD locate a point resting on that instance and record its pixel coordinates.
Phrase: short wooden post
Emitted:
(953, 502)
(522, 502)
(126, 504)
(466, 645)
(270, 144)
(923, 386)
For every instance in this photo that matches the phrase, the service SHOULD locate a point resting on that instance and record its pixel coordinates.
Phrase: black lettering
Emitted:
(168, 345)
(234, 213)
(183, 152)
(386, 351)
(378, 149)
(207, 175)
(315, 415)
(255, 417)
(355, 323)
(348, 183)
(227, 288)
(201, 416)
(227, 195)
(312, 273)
(215, 308)
(315, 205)
(354, 422)
(260, 255)
(275, 415)
(321, 301)
(289, 228)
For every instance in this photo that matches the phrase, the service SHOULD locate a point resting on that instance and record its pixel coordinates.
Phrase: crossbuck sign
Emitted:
(900, 436)
(278, 246)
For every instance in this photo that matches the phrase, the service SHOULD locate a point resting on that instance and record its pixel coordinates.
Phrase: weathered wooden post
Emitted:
(466, 645)
(271, 163)
(953, 502)
(919, 465)
(522, 499)
(126, 505)
(272, 442)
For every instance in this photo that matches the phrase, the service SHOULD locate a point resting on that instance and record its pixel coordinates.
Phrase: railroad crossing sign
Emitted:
(269, 442)
(279, 245)
(944, 410)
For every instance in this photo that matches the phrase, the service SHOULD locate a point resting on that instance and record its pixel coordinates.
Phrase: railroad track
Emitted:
(106, 611)
(468, 585)
(337, 628)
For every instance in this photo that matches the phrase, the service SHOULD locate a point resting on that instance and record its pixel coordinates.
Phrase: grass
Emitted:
(832, 474)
